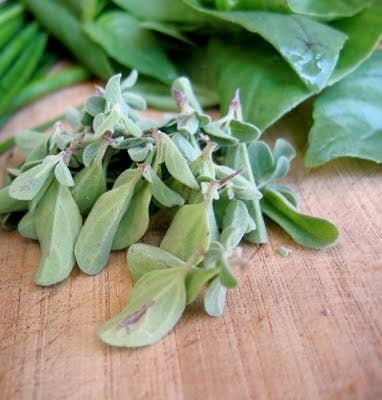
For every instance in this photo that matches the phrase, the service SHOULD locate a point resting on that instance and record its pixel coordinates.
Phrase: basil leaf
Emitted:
(57, 222)
(159, 10)
(348, 117)
(310, 47)
(126, 41)
(255, 70)
(156, 303)
(143, 258)
(328, 9)
(364, 32)
(308, 231)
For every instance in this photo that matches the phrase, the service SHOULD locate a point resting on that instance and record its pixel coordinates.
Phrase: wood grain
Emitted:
(307, 326)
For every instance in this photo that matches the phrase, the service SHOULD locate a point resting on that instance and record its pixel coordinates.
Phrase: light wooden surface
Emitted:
(307, 326)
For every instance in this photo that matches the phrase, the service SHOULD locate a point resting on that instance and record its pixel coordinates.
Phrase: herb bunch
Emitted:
(92, 186)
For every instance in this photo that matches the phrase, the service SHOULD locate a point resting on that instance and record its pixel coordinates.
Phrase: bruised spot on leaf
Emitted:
(135, 316)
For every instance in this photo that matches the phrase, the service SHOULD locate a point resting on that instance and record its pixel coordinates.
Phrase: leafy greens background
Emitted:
(278, 53)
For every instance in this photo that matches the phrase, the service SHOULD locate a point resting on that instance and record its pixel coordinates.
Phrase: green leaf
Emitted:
(9, 204)
(113, 93)
(28, 184)
(156, 303)
(90, 152)
(286, 192)
(33, 145)
(95, 240)
(159, 10)
(177, 165)
(106, 122)
(261, 160)
(235, 223)
(196, 279)
(169, 30)
(348, 117)
(26, 226)
(135, 221)
(310, 47)
(89, 185)
(95, 104)
(143, 258)
(308, 231)
(63, 174)
(364, 32)
(123, 39)
(188, 234)
(268, 86)
(163, 194)
(226, 276)
(57, 222)
(219, 136)
(243, 131)
(214, 298)
(328, 9)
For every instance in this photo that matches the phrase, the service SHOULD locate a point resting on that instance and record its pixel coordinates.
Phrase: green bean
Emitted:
(22, 70)
(63, 25)
(16, 46)
(47, 84)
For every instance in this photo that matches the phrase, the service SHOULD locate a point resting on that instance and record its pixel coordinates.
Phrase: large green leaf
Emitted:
(126, 41)
(348, 117)
(310, 47)
(364, 32)
(159, 10)
(321, 9)
(268, 86)
(328, 9)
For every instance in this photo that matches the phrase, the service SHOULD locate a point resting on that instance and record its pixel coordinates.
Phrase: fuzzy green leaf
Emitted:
(308, 231)
(155, 305)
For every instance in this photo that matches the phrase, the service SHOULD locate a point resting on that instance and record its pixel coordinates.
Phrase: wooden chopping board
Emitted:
(307, 326)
